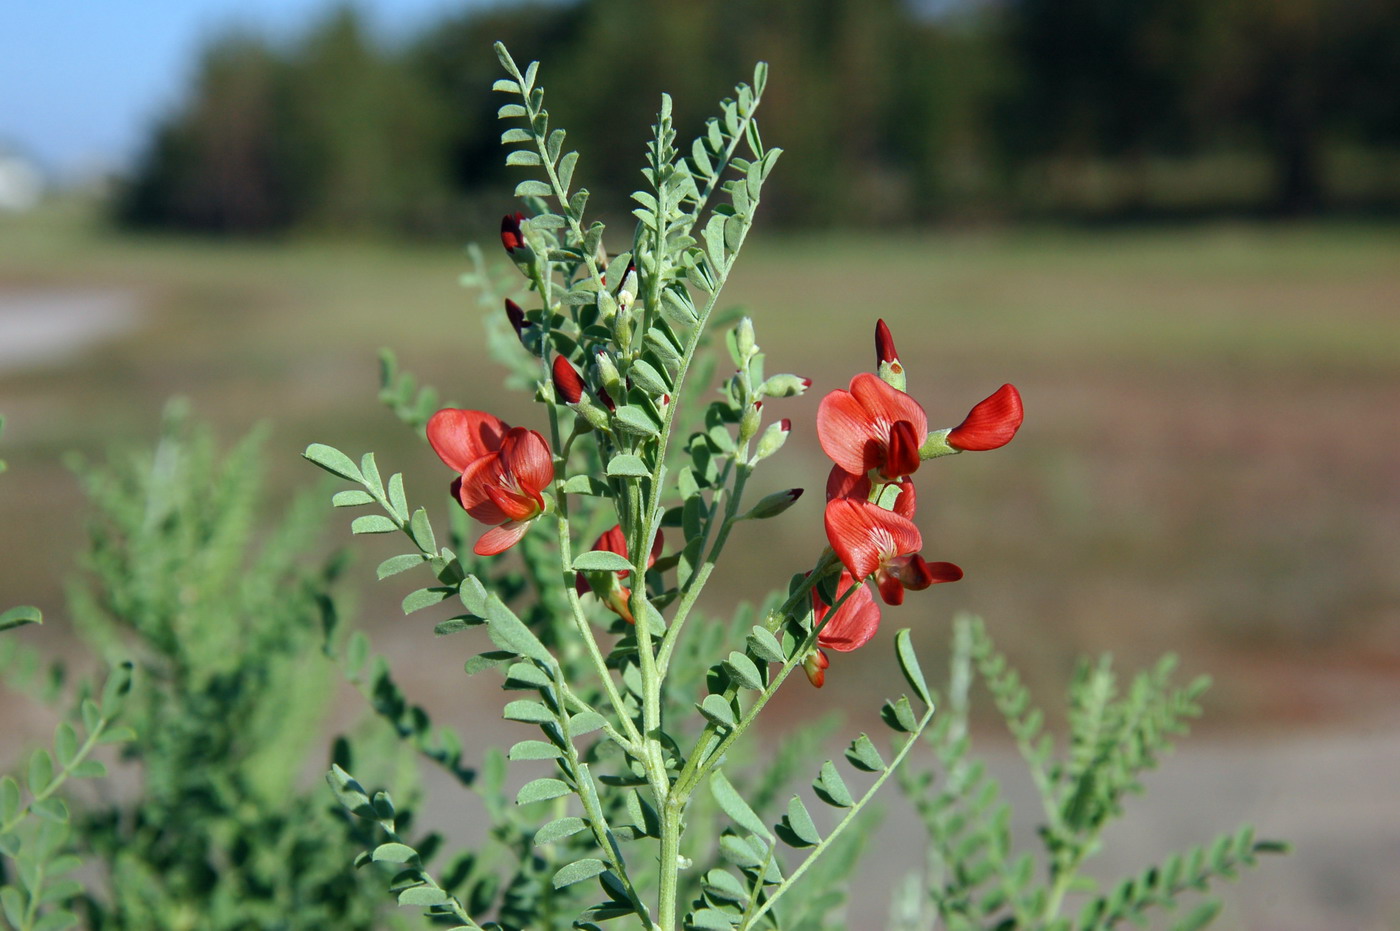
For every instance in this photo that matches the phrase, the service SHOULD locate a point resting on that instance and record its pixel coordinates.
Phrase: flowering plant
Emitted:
(605, 520)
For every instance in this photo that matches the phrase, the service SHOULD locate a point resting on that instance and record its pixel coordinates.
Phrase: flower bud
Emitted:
(628, 292)
(773, 505)
(608, 374)
(814, 665)
(511, 236)
(744, 340)
(516, 315)
(785, 386)
(748, 424)
(772, 440)
(887, 357)
(568, 386)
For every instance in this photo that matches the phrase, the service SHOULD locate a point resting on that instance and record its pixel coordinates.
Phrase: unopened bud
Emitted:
(516, 315)
(744, 340)
(773, 439)
(748, 424)
(887, 358)
(511, 236)
(628, 292)
(567, 383)
(608, 374)
(815, 665)
(773, 505)
(785, 386)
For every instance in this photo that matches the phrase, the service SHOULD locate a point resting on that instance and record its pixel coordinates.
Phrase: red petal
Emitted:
(855, 621)
(499, 539)
(844, 431)
(865, 535)
(842, 484)
(510, 231)
(486, 472)
(905, 502)
(890, 588)
(515, 505)
(567, 381)
(903, 455)
(885, 405)
(943, 572)
(992, 423)
(460, 437)
(815, 667)
(526, 455)
(516, 315)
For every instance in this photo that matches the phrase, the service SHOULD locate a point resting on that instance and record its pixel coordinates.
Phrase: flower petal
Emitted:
(527, 457)
(844, 431)
(865, 535)
(515, 505)
(885, 404)
(459, 437)
(902, 456)
(855, 621)
(486, 472)
(843, 484)
(499, 539)
(991, 423)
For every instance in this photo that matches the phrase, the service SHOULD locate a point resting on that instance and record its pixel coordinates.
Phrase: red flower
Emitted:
(885, 353)
(516, 315)
(852, 626)
(842, 484)
(992, 423)
(567, 382)
(874, 542)
(618, 597)
(872, 426)
(503, 468)
(511, 236)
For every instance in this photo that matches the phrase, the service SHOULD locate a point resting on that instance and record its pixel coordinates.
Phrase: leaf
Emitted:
(625, 464)
(18, 617)
(40, 771)
(424, 896)
(648, 378)
(864, 756)
(426, 597)
(733, 805)
(797, 828)
(541, 790)
(483, 661)
(508, 631)
(9, 799)
(909, 665)
(394, 853)
(59, 920)
(51, 809)
(831, 788)
(397, 501)
(723, 884)
(523, 158)
(534, 750)
(559, 829)
(65, 744)
(712, 919)
(743, 670)
(532, 188)
(352, 497)
(115, 690)
(899, 715)
(396, 564)
(765, 646)
(632, 419)
(422, 531)
(528, 711)
(578, 871)
(333, 461)
(373, 523)
(586, 722)
(601, 561)
(90, 769)
(717, 709)
(587, 485)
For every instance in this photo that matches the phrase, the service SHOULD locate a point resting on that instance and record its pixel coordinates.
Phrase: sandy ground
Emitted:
(43, 326)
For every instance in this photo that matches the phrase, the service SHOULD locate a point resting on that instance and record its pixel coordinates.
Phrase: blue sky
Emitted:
(81, 81)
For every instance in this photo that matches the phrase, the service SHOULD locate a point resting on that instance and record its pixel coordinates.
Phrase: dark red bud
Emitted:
(794, 493)
(516, 315)
(567, 383)
(884, 345)
(806, 383)
(511, 236)
(992, 423)
(607, 401)
(785, 425)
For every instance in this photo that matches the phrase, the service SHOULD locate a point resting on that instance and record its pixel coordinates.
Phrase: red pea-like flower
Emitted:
(503, 470)
(872, 426)
(511, 237)
(874, 542)
(842, 484)
(516, 315)
(568, 384)
(618, 597)
(991, 423)
(852, 626)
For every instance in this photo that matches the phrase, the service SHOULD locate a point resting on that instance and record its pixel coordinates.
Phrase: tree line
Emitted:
(895, 114)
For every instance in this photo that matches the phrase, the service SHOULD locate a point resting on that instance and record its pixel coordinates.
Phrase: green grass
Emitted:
(1208, 463)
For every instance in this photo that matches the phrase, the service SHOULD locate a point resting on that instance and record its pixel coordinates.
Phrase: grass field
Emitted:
(1209, 463)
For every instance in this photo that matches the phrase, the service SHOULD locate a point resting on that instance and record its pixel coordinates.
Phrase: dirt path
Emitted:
(40, 326)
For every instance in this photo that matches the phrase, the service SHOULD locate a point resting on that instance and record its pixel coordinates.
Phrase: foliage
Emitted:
(974, 876)
(211, 598)
(23, 614)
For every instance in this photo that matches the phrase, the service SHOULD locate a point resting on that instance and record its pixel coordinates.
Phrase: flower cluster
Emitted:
(877, 435)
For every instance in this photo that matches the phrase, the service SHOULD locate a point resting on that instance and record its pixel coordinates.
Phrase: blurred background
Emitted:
(1171, 223)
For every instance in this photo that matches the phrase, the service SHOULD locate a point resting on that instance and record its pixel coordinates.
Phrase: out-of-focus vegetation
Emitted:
(1069, 108)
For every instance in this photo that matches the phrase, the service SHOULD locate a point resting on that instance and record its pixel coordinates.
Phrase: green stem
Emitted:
(59, 778)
